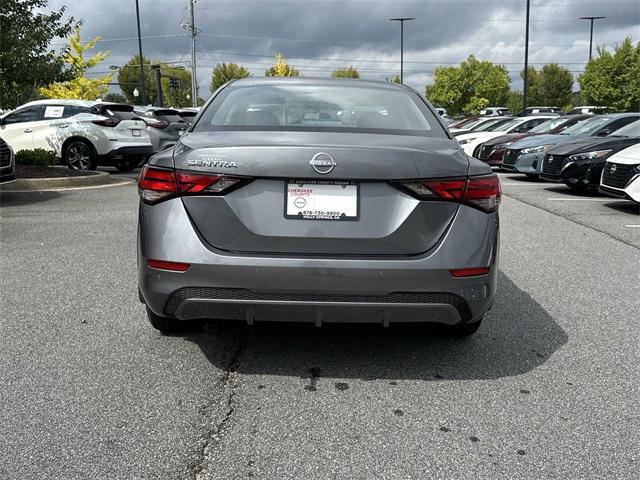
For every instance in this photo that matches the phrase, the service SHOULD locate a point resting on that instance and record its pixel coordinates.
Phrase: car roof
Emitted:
(53, 101)
(254, 81)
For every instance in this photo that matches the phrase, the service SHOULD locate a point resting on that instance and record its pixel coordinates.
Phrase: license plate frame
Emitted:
(136, 132)
(331, 216)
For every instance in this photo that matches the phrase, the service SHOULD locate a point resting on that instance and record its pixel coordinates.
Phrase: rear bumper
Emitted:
(123, 152)
(279, 288)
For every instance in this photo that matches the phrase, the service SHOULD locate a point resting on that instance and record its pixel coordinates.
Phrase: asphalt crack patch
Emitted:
(218, 427)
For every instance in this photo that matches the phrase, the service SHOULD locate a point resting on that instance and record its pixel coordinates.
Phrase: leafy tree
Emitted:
(514, 101)
(281, 69)
(469, 87)
(26, 59)
(347, 72)
(114, 98)
(79, 87)
(551, 86)
(613, 79)
(225, 72)
(129, 80)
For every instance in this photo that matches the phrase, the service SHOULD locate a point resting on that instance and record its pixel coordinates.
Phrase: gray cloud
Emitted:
(317, 36)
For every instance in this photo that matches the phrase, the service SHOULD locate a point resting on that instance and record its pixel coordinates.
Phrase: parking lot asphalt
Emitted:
(546, 389)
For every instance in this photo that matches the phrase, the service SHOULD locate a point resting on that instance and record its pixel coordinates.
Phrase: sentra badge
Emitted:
(213, 161)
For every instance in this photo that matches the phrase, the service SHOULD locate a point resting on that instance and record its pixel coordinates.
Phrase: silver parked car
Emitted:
(165, 125)
(321, 201)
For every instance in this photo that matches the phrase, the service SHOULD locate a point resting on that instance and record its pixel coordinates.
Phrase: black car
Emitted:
(7, 163)
(579, 163)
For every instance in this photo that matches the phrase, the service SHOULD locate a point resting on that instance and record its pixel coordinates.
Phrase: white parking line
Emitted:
(563, 199)
(632, 226)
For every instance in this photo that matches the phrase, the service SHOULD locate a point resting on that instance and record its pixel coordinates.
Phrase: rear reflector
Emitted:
(469, 272)
(156, 184)
(166, 265)
(482, 192)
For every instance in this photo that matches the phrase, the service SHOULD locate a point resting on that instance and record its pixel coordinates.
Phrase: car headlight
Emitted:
(538, 149)
(580, 157)
(466, 140)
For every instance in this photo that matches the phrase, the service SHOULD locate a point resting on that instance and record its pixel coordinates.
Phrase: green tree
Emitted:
(347, 72)
(225, 72)
(27, 60)
(180, 95)
(129, 80)
(613, 79)
(79, 87)
(551, 86)
(469, 87)
(514, 101)
(114, 98)
(281, 69)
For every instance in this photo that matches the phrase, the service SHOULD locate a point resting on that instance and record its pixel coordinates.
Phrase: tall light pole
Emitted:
(526, 61)
(142, 89)
(194, 81)
(401, 20)
(591, 35)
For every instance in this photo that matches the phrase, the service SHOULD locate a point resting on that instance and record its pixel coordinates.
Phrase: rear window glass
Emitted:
(170, 116)
(122, 112)
(319, 107)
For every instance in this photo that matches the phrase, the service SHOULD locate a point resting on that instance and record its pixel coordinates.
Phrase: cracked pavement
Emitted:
(546, 389)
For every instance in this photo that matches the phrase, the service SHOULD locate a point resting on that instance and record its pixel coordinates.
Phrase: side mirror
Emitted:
(604, 132)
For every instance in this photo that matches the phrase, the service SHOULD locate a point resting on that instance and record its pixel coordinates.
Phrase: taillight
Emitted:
(157, 123)
(482, 192)
(156, 184)
(107, 122)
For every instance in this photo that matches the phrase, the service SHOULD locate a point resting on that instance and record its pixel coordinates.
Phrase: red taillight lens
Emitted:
(157, 184)
(107, 122)
(166, 265)
(482, 192)
(469, 272)
(158, 123)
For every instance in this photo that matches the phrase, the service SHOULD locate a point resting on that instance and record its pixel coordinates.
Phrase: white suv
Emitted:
(83, 134)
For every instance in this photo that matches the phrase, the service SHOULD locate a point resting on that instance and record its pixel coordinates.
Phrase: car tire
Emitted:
(165, 325)
(127, 164)
(462, 330)
(79, 155)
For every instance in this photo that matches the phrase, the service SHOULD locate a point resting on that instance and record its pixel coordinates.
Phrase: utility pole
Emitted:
(142, 89)
(591, 36)
(194, 81)
(526, 61)
(401, 20)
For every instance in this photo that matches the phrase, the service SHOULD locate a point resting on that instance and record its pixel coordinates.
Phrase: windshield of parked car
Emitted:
(631, 130)
(319, 107)
(497, 126)
(587, 126)
(549, 125)
(503, 127)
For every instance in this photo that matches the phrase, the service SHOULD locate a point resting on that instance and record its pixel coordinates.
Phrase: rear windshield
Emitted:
(122, 112)
(319, 108)
(170, 116)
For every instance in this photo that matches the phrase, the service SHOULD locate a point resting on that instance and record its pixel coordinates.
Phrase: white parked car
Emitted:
(495, 112)
(621, 174)
(469, 141)
(82, 134)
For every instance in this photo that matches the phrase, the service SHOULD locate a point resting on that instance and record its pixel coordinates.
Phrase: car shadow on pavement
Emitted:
(624, 206)
(517, 336)
(15, 199)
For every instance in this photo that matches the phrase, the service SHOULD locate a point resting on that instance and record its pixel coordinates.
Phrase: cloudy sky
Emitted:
(317, 36)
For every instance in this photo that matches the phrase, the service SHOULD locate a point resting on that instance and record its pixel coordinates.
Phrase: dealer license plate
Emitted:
(322, 200)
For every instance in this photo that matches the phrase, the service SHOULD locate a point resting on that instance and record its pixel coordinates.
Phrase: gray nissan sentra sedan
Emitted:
(318, 201)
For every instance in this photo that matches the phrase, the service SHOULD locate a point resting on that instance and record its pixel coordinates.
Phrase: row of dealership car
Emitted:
(86, 134)
(585, 152)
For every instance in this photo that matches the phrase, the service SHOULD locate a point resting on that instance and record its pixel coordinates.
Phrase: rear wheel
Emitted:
(127, 164)
(165, 324)
(462, 330)
(79, 155)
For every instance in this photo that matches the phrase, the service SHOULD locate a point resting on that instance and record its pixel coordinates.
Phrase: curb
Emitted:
(35, 184)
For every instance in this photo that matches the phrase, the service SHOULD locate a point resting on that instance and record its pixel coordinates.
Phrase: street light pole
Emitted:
(194, 81)
(401, 20)
(591, 19)
(526, 61)
(142, 89)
